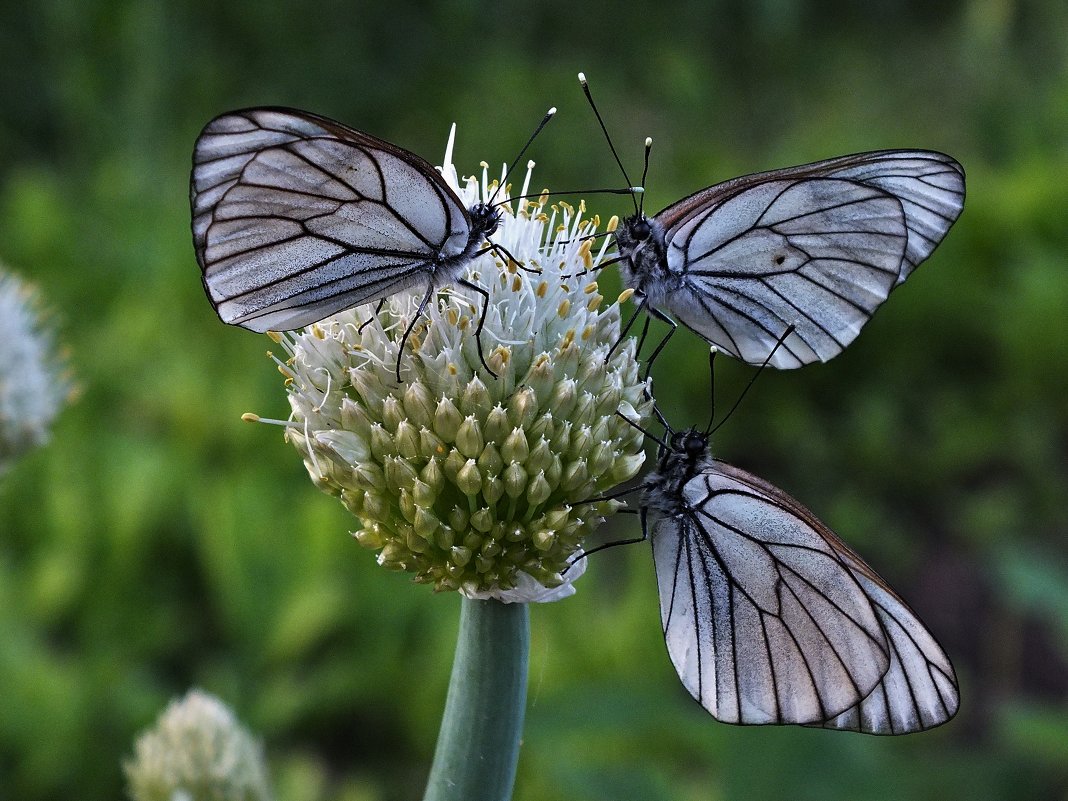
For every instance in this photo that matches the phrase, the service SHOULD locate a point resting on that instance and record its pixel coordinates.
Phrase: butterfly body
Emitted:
(296, 217)
(818, 247)
(770, 618)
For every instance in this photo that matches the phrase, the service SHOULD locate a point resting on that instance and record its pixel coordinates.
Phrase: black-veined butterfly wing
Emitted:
(919, 690)
(296, 217)
(819, 247)
(770, 618)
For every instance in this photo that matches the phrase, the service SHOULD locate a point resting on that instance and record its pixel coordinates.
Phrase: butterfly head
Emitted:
(640, 241)
(484, 219)
(690, 444)
(683, 458)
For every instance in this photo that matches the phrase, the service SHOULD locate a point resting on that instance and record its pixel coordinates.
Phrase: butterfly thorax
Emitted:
(685, 458)
(484, 221)
(644, 268)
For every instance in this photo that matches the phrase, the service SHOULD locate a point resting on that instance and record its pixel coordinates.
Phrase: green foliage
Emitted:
(159, 543)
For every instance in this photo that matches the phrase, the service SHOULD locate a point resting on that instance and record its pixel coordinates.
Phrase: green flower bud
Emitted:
(476, 399)
(490, 460)
(392, 412)
(468, 479)
(447, 419)
(492, 489)
(419, 405)
(497, 426)
(406, 440)
(515, 447)
(515, 480)
(469, 440)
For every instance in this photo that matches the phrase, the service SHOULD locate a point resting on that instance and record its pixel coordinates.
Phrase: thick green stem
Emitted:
(478, 745)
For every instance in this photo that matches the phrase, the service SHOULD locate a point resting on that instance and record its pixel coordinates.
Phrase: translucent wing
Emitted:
(296, 217)
(818, 246)
(919, 691)
(770, 618)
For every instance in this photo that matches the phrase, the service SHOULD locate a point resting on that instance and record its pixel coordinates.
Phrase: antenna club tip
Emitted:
(636, 190)
(550, 112)
(648, 141)
(530, 164)
(582, 78)
(713, 350)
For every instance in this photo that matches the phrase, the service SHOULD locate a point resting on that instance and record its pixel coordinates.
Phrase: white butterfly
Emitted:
(818, 247)
(770, 618)
(297, 217)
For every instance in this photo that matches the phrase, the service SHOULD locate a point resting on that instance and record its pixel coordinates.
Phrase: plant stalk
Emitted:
(478, 745)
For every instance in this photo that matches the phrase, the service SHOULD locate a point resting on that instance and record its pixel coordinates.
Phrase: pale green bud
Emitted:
(469, 440)
(476, 399)
(490, 460)
(406, 440)
(497, 426)
(515, 480)
(447, 419)
(468, 479)
(392, 412)
(492, 489)
(419, 405)
(515, 447)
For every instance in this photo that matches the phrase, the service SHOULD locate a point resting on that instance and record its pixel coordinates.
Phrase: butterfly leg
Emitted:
(501, 249)
(411, 326)
(641, 339)
(481, 320)
(659, 315)
(373, 317)
(627, 327)
(643, 516)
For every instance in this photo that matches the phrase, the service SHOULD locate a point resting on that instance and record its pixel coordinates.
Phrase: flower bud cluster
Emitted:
(34, 377)
(197, 751)
(471, 482)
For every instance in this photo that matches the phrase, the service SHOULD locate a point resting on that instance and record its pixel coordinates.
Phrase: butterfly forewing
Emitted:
(770, 618)
(819, 254)
(296, 217)
(819, 247)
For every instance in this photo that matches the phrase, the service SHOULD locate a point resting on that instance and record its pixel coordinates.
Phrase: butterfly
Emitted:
(770, 618)
(818, 247)
(297, 217)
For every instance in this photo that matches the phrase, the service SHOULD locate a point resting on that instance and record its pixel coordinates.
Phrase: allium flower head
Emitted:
(197, 751)
(470, 482)
(34, 382)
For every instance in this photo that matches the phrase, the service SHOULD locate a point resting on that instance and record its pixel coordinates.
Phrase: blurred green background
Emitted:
(159, 543)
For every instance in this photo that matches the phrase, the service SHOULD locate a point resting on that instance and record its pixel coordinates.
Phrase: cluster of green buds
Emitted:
(197, 751)
(473, 483)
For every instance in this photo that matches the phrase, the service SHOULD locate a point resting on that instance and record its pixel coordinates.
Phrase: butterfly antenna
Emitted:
(544, 121)
(638, 426)
(630, 190)
(604, 129)
(645, 172)
(712, 386)
(789, 330)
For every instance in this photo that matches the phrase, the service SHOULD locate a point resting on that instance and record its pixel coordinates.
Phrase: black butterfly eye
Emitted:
(641, 229)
